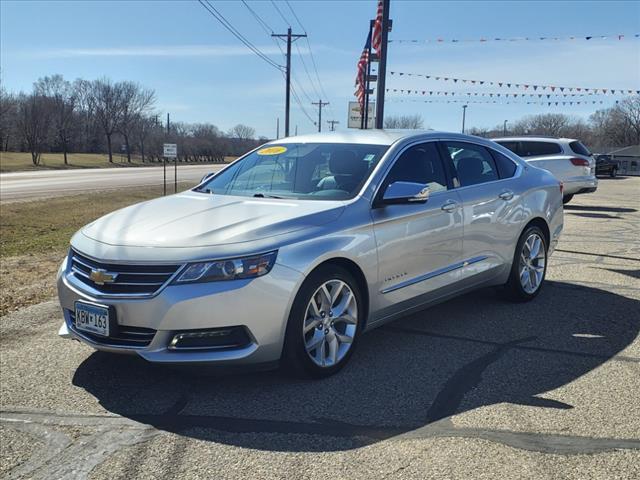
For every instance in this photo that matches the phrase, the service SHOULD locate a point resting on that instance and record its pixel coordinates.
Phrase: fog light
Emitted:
(217, 338)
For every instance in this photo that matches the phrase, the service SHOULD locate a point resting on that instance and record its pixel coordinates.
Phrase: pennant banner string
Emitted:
(517, 39)
(525, 86)
(407, 91)
(497, 102)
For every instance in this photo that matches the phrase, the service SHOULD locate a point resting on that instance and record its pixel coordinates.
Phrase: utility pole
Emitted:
(289, 36)
(504, 128)
(168, 127)
(333, 123)
(277, 128)
(382, 66)
(320, 104)
(464, 111)
(296, 134)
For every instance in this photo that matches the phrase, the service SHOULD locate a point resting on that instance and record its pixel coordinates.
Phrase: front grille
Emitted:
(130, 279)
(120, 336)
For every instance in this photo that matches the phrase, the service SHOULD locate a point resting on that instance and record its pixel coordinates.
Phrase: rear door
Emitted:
(419, 244)
(486, 182)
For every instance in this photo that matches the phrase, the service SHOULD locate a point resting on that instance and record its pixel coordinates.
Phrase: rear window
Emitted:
(513, 146)
(506, 166)
(579, 148)
(533, 149)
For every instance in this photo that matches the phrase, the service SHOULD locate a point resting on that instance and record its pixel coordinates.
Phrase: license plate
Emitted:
(92, 318)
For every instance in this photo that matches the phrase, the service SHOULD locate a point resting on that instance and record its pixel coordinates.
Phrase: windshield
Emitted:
(314, 171)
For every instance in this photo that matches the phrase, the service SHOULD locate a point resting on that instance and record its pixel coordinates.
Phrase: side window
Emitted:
(473, 164)
(533, 149)
(506, 166)
(579, 148)
(513, 146)
(419, 164)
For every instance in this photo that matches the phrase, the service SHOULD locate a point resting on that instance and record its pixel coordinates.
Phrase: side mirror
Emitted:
(406, 192)
(206, 177)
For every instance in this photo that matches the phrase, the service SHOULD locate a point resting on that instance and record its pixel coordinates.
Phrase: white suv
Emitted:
(566, 158)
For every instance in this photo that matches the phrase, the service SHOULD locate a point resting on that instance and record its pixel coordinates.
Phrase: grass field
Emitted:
(21, 161)
(34, 237)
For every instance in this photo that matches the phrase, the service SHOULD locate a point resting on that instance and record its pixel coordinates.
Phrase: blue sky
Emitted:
(201, 73)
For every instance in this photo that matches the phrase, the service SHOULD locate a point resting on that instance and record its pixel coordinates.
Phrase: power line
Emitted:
(313, 60)
(304, 64)
(226, 24)
(265, 26)
(281, 15)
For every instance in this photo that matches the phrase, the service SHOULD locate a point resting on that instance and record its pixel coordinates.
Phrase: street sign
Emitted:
(355, 115)
(170, 150)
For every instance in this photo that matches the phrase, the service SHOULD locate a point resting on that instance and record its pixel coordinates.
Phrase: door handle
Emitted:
(506, 195)
(450, 206)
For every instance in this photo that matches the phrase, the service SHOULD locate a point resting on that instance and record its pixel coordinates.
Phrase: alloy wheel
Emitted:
(532, 263)
(330, 325)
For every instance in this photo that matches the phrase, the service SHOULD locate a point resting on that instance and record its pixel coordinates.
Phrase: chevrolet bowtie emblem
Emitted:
(101, 276)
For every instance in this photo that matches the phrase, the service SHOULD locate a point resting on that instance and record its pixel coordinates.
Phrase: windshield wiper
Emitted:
(262, 195)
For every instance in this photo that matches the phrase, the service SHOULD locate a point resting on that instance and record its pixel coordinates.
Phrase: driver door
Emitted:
(419, 244)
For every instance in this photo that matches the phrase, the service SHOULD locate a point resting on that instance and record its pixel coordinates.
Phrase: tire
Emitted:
(324, 328)
(516, 288)
(614, 172)
(566, 199)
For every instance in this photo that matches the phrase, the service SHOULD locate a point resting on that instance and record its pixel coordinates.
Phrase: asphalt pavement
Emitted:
(48, 183)
(475, 388)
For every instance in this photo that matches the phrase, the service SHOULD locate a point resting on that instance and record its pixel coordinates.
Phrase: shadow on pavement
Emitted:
(470, 352)
(600, 208)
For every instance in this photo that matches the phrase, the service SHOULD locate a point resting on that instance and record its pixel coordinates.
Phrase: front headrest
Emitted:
(470, 167)
(344, 162)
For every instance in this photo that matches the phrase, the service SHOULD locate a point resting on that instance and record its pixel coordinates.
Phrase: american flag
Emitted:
(361, 77)
(377, 29)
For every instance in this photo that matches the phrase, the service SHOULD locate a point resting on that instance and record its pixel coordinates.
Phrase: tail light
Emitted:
(579, 162)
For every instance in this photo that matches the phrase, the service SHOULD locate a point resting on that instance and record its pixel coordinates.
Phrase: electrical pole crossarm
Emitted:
(320, 104)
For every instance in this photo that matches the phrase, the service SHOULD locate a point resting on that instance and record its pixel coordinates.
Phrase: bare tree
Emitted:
(242, 132)
(8, 118)
(142, 129)
(136, 102)
(411, 122)
(63, 100)
(107, 105)
(33, 121)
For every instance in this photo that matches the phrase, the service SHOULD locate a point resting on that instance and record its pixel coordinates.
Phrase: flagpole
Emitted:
(365, 114)
(382, 66)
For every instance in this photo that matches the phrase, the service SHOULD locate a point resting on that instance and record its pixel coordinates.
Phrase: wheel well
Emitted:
(542, 225)
(353, 268)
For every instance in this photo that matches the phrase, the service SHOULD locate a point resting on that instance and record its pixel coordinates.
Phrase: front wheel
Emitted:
(529, 266)
(324, 323)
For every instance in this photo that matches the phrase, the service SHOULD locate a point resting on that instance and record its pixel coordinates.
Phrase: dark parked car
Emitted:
(606, 165)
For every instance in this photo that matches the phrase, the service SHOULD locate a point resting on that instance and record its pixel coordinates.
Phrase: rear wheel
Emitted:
(567, 198)
(529, 266)
(324, 323)
(614, 172)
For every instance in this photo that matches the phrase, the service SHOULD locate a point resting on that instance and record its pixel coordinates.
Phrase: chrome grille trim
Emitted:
(126, 336)
(133, 280)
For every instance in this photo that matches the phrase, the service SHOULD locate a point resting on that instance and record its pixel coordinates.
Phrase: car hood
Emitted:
(193, 219)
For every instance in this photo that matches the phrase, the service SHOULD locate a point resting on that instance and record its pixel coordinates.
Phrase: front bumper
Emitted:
(578, 185)
(260, 305)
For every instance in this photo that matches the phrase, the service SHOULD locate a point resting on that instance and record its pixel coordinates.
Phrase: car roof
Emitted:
(533, 139)
(370, 137)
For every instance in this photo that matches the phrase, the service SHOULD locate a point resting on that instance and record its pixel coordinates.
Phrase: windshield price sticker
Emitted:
(271, 151)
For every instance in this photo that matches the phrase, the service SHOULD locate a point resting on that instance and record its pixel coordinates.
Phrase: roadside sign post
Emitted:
(355, 118)
(170, 150)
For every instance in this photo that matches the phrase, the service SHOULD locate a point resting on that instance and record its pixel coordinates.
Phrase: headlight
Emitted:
(228, 269)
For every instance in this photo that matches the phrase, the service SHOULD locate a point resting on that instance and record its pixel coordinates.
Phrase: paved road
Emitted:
(475, 388)
(49, 183)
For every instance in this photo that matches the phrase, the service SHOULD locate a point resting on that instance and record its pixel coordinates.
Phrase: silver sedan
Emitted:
(293, 251)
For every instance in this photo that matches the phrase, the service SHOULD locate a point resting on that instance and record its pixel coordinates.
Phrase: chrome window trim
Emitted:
(432, 274)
